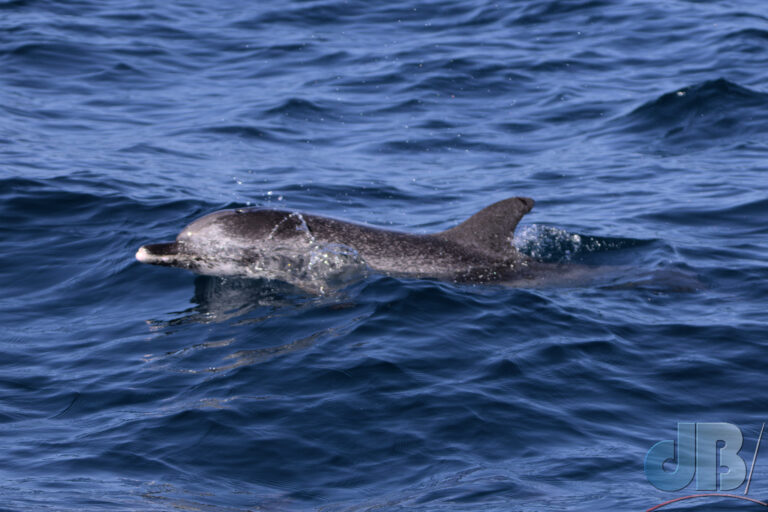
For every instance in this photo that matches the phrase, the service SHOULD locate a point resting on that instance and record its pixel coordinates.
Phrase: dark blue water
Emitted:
(640, 128)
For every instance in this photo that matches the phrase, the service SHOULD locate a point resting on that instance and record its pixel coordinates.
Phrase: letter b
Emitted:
(707, 468)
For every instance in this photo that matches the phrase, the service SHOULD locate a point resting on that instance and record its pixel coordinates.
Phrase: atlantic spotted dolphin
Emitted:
(284, 245)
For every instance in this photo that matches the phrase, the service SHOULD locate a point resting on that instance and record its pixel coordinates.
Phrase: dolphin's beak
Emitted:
(158, 254)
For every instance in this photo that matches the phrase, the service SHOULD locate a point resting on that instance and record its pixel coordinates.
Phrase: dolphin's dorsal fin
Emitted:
(491, 229)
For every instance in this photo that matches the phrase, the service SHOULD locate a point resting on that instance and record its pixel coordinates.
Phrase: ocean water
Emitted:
(640, 128)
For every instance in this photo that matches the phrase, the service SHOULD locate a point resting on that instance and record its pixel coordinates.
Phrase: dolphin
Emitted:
(302, 248)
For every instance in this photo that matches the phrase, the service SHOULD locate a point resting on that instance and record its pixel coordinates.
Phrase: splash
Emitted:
(555, 245)
(311, 266)
(548, 243)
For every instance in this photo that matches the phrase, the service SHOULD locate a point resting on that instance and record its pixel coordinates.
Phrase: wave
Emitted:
(543, 12)
(742, 215)
(300, 108)
(59, 56)
(752, 33)
(437, 145)
(66, 195)
(261, 133)
(699, 115)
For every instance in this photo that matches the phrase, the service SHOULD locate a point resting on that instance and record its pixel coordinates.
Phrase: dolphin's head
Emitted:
(223, 242)
(243, 225)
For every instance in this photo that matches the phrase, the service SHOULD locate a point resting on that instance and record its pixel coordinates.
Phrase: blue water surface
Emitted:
(640, 128)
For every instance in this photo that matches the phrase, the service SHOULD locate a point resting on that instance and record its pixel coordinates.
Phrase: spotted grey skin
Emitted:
(239, 241)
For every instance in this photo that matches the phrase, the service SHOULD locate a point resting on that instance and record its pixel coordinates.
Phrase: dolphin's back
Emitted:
(394, 252)
(477, 249)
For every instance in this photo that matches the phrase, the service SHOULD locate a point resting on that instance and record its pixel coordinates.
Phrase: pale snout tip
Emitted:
(143, 255)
